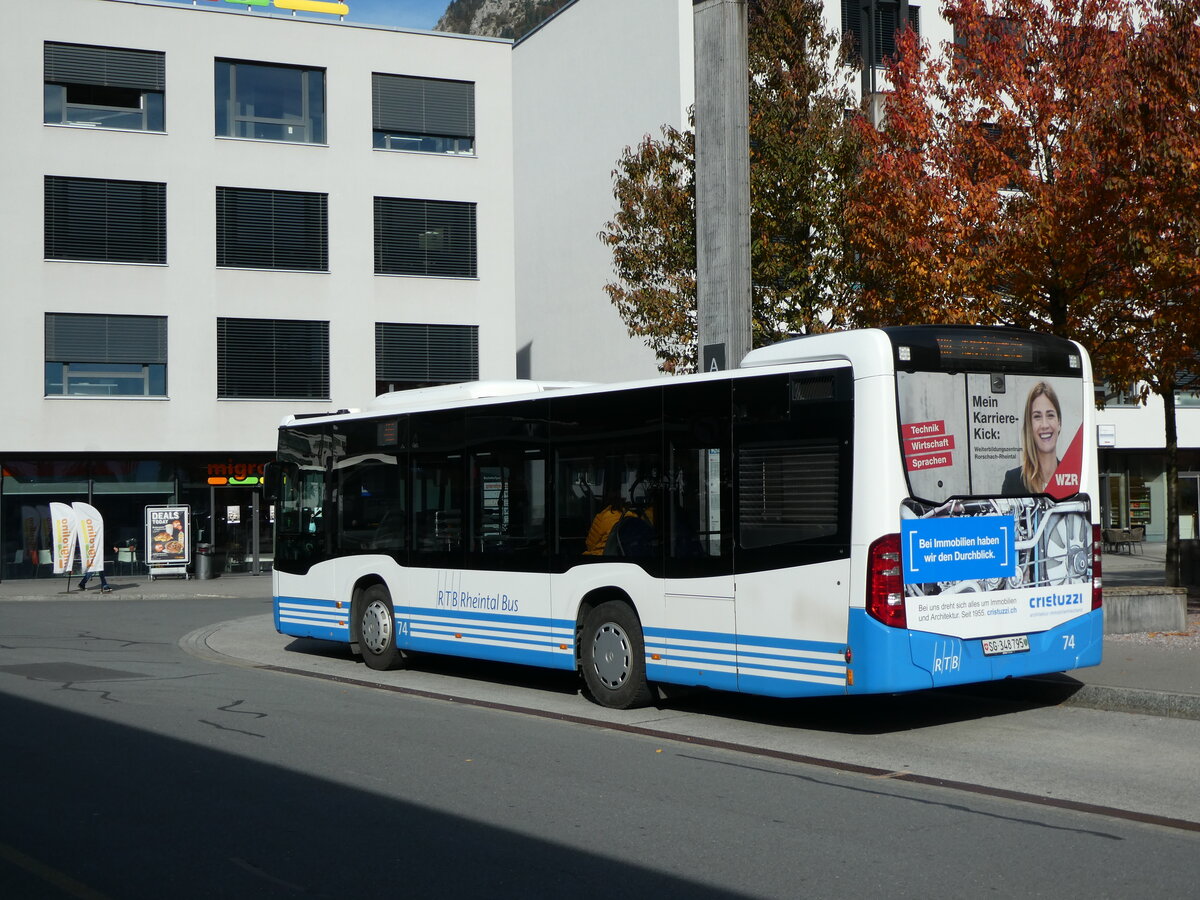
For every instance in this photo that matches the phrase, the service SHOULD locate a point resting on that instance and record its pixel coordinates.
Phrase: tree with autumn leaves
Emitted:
(802, 155)
(1042, 172)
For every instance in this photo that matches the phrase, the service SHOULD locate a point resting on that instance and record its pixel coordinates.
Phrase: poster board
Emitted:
(168, 537)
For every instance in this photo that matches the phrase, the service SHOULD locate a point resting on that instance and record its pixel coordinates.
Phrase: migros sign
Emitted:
(235, 474)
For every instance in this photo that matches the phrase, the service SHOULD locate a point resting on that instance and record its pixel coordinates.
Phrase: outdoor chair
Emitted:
(1137, 538)
(126, 556)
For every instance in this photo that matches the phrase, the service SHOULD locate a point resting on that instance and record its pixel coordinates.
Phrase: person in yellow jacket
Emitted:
(606, 520)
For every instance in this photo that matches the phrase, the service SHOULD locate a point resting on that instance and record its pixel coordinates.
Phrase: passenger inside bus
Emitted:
(620, 528)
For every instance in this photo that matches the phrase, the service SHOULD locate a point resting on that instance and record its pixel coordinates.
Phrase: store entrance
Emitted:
(240, 528)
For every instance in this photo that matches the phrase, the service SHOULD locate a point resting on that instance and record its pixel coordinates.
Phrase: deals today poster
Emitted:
(168, 535)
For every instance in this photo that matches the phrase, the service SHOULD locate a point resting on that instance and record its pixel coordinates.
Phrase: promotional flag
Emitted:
(90, 528)
(63, 526)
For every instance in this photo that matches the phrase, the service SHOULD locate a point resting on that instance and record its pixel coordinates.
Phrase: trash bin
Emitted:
(204, 562)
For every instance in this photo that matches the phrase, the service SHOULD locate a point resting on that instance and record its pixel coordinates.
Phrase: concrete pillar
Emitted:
(722, 183)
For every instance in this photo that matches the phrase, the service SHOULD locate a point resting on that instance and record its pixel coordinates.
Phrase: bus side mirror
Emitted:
(273, 480)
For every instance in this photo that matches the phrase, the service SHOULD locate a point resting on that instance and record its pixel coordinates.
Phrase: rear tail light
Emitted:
(1097, 581)
(885, 582)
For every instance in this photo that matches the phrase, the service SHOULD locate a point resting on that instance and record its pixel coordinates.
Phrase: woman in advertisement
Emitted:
(1041, 426)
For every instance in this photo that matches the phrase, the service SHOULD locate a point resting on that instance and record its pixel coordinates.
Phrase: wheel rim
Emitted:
(610, 655)
(376, 630)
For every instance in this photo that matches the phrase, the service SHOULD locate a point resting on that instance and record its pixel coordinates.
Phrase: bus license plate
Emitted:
(1017, 643)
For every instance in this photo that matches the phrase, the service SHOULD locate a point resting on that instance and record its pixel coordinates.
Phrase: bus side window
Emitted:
(696, 511)
(696, 419)
(437, 505)
(510, 502)
(609, 457)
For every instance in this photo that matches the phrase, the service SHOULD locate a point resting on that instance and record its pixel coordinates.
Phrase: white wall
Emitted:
(597, 78)
(192, 162)
(1143, 427)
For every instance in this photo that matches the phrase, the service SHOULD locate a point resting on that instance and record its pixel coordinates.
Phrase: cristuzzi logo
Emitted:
(1042, 604)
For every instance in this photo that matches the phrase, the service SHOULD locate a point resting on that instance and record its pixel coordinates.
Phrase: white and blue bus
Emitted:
(861, 512)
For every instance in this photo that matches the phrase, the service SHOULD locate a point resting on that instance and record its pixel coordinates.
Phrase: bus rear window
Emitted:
(990, 434)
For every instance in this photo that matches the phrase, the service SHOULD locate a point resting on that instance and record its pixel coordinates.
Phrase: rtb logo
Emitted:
(948, 662)
(946, 657)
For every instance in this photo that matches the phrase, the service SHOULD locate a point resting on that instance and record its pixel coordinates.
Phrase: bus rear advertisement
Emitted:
(861, 512)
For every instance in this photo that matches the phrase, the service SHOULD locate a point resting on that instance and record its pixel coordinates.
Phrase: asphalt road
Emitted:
(138, 760)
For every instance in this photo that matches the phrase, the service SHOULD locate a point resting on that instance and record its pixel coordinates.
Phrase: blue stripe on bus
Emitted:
(800, 671)
(416, 630)
(682, 657)
(782, 687)
(529, 640)
(746, 640)
(540, 621)
(700, 676)
(489, 636)
(502, 651)
(781, 667)
(751, 640)
(307, 617)
(683, 634)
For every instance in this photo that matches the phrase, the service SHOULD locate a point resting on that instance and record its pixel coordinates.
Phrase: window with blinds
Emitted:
(878, 31)
(103, 87)
(272, 359)
(425, 115)
(264, 229)
(418, 355)
(788, 494)
(102, 220)
(91, 354)
(425, 237)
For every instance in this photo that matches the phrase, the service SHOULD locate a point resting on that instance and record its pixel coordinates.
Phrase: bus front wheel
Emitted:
(613, 657)
(377, 630)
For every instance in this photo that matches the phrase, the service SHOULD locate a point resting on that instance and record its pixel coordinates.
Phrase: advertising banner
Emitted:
(64, 526)
(90, 528)
(991, 433)
(981, 567)
(168, 535)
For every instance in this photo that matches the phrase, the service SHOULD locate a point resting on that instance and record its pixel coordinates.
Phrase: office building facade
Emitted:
(217, 216)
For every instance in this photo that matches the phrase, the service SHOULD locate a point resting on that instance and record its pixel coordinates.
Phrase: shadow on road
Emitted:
(876, 714)
(93, 806)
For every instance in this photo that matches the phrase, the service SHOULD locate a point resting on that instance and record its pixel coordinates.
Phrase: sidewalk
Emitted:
(138, 587)
(1154, 674)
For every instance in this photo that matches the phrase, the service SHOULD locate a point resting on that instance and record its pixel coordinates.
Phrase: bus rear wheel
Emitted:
(613, 657)
(377, 630)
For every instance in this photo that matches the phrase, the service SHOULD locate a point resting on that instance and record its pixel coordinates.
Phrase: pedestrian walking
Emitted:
(105, 588)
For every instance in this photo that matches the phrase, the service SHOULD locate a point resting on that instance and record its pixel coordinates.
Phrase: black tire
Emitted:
(612, 655)
(376, 630)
